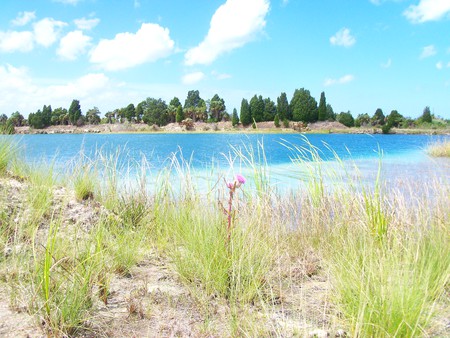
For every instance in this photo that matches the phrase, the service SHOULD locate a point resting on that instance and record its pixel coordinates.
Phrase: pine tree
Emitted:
(322, 110)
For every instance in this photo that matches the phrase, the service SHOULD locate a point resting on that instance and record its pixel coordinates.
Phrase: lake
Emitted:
(403, 155)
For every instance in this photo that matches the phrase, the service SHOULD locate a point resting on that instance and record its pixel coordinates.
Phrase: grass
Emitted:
(439, 149)
(384, 252)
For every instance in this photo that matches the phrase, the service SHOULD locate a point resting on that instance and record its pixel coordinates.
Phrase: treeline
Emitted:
(302, 107)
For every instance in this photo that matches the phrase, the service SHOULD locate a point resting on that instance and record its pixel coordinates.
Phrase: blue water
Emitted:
(403, 156)
(207, 148)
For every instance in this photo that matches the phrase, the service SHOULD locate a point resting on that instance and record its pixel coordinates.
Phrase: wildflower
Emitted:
(240, 179)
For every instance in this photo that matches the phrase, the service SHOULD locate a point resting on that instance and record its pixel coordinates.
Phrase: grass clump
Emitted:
(439, 149)
(8, 152)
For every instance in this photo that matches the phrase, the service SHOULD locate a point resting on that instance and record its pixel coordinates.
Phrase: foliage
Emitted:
(179, 115)
(378, 118)
(303, 106)
(283, 110)
(426, 116)
(346, 119)
(362, 120)
(155, 112)
(217, 108)
(322, 110)
(74, 112)
(245, 115)
(257, 108)
(235, 118)
(93, 116)
(276, 121)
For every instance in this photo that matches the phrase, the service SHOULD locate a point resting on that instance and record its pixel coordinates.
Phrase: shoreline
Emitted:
(221, 128)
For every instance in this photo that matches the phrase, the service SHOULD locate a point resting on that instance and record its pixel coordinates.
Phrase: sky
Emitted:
(364, 54)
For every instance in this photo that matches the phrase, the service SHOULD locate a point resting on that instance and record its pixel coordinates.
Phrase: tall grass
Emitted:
(439, 149)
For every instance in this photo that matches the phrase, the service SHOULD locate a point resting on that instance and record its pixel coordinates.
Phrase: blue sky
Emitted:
(364, 54)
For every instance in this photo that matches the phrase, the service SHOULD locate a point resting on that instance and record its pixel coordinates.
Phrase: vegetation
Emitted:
(155, 112)
(245, 252)
(439, 149)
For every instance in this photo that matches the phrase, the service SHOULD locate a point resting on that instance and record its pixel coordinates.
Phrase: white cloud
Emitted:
(234, 24)
(387, 64)
(73, 44)
(342, 80)
(12, 41)
(23, 18)
(47, 31)
(150, 43)
(427, 10)
(16, 83)
(428, 51)
(220, 76)
(192, 78)
(439, 65)
(343, 38)
(137, 4)
(68, 2)
(86, 24)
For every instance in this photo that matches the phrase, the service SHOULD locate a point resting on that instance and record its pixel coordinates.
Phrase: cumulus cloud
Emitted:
(439, 65)
(47, 31)
(427, 10)
(23, 18)
(86, 24)
(192, 78)
(342, 80)
(343, 38)
(12, 41)
(73, 44)
(16, 83)
(220, 76)
(234, 24)
(150, 43)
(428, 51)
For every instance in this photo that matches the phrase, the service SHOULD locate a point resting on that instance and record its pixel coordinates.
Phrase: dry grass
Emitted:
(439, 149)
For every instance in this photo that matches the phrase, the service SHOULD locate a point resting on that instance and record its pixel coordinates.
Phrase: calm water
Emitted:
(403, 155)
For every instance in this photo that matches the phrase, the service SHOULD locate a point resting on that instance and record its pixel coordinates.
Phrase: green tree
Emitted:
(304, 106)
(59, 116)
(346, 119)
(17, 119)
(217, 108)
(362, 120)
(283, 107)
(173, 108)
(74, 112)
(277, 121)
(330, 113)
(378, 118)
(47, 115)
(3, 118)
(246, 117)
(139, 112)
(235, 118)
(426, 116)
(93, 116)
(192, 102)
(180, 115)
(322, 110)
(130, 112)
(257, 108)
(155, 112)
(394, 119)
(270, 110)
(36, 120)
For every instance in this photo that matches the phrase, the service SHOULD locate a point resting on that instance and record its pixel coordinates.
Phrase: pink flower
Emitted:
(240, 178)
(230, 185)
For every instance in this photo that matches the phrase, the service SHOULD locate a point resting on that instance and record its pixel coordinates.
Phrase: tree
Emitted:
(330, 113)
(362, 120)
(74, 112)
(130, 112)
(378, 118)
(235, 118)
(192, 102)
(180, 115)
(303, 106)
(257, 108)
(47, 115)
(35, 120)
(322, 110)
(283, 107)
(139, 111)
(217, 108)
(270, 110)
(93, 116)
(346, 119)
(59, 117)
(173, 108)
(246, 117)
(426, 116)
(3, 118)
(276, 121)
(394, 119)
(155, 112)
(17, 119)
